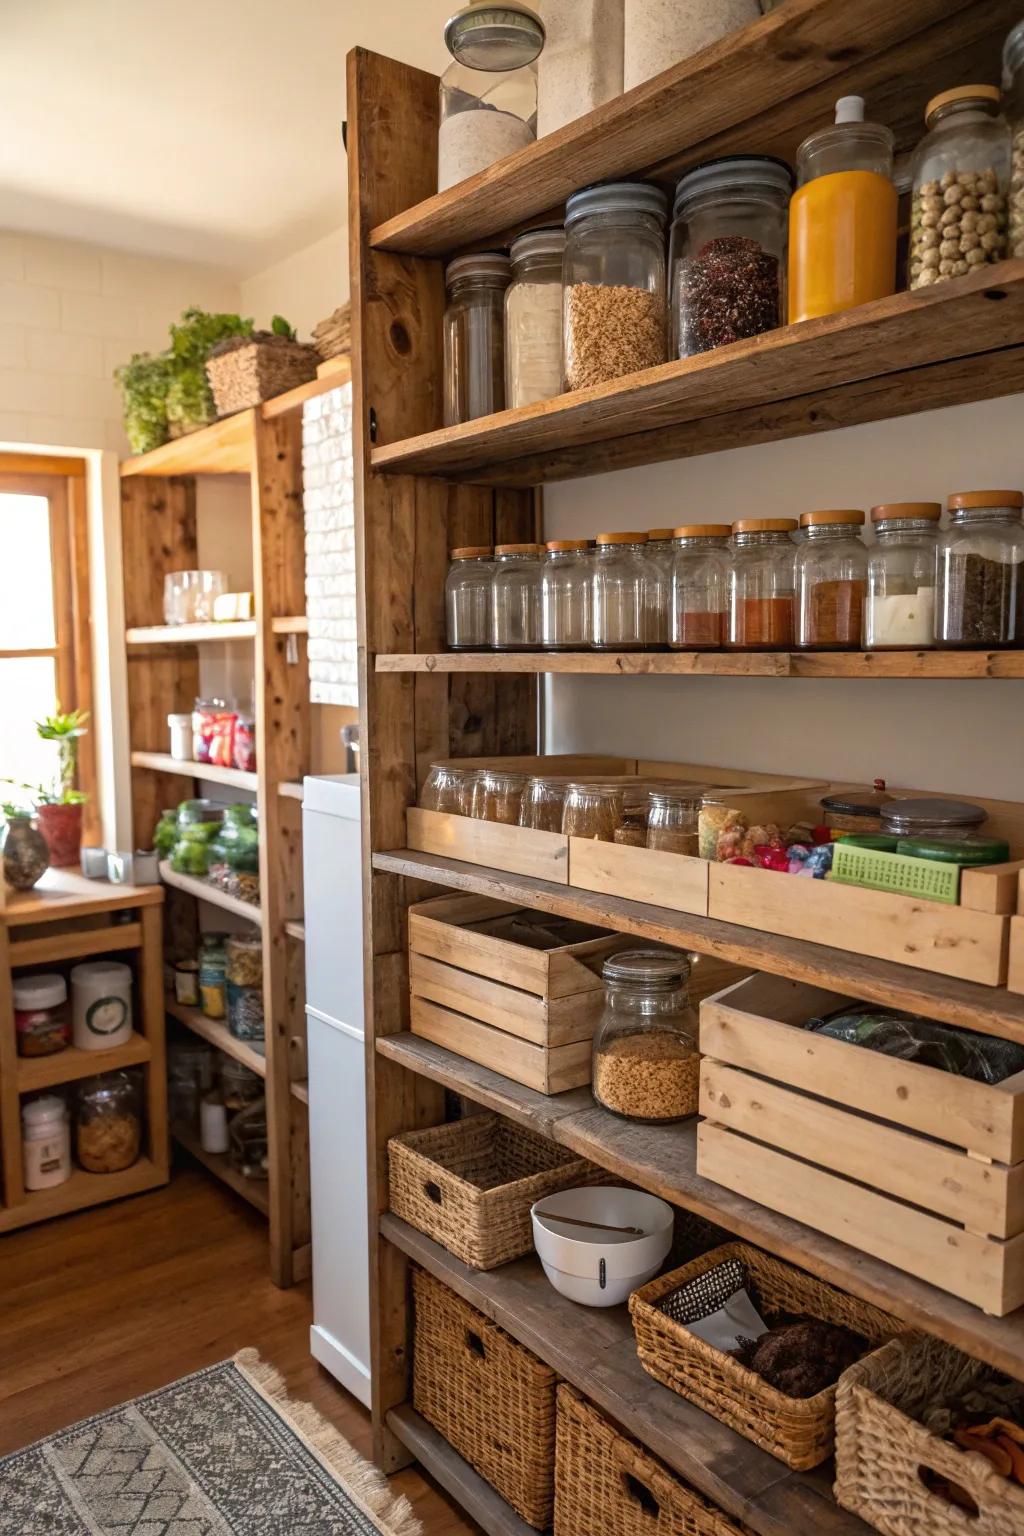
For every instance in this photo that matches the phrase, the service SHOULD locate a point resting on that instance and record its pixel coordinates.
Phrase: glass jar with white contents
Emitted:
(489, 90)
(899, 610)
(533, 318)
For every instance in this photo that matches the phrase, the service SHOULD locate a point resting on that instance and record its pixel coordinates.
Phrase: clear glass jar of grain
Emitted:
(533, 318)
(672, 821)
(613, 298)
(467, 598)
(646, 1061)
(515, 598)
(444, 788)
(498, 796)
(565, 596)
(980, 595)
(543, 804)
(474, 336)
(960, 206)
(593, 810)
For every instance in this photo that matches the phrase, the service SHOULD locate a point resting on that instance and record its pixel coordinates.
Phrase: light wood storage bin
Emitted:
(469, 1185)
(908, 1163)
(487, 1395)
(884, 1453)
(799, 1431)
(527, 1013)
(604, 1481)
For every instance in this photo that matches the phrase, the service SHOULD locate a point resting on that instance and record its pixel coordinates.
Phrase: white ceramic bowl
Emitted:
(599, 1269)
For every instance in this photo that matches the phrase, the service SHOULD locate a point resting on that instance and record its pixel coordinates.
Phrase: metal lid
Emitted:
(932, 813)
(617, 197)
(752, 174)
(622, 538)
(482, 35)
(857, 802)
(538, 242)
(655, 967)
(764, 525)
(472, 552)
(963, 95)
(846, 518)
(891, 510)
(481, 264)
(702, 531)
(963, 500)
(31, 992)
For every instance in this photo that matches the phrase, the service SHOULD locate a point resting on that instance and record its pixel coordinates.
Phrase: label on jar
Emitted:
(106, 1016)
(47, 1162)
(41, 1032)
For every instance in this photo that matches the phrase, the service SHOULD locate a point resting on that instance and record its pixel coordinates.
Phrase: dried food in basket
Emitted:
(244, 370)
(963, 1052)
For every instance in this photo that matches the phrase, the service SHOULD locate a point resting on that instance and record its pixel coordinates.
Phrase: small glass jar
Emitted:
(623, 584)
(240, 1086)
(213, 961)
(830, 571)
(235, 853)
(931, 817)
(980, 592)
(857, 811)
(632, 829)
(467, 598)
(614, 283)
(489, 90)
(727, 252)
(45, 1143)
(565, 596)
(646, 1061)
(593, 811)
(165, 834)
(700, 569)
(245, 988)
(660, 552)
(533, 318)
(961, 168)
(515, 597)
(499, 796)
(672, 821)
(543, 804)
(41, 1023)
(760, 613)
(899, 610)
(186, 983)
(444, 788)
(1013, 96)
(244, 746)
(474, 336)
(190, 1071)
(108, 1127)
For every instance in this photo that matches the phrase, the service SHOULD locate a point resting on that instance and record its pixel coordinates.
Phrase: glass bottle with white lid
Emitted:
(474, 336)
(899, 608)
(565, 596)
(700, 568)
(489, 90)
(467, 598)
(515, 597)
(533, 318)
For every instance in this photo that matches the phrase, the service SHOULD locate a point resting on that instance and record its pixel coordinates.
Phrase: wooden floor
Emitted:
(100, 1307)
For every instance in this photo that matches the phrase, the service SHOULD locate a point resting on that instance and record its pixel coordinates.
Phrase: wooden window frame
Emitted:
(62, 482)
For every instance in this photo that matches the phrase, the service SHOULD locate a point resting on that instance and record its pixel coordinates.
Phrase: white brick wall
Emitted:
(329, 502)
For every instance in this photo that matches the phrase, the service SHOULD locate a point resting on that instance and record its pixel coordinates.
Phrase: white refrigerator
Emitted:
(332, 863)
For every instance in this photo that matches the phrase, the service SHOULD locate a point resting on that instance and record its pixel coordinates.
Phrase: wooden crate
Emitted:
(913, 1165)
(1015, 969)
(519, 850)
(527, 1013)
(928, 935)
(670, 880)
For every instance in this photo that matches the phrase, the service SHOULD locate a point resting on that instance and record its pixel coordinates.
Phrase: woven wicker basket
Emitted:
(470, 1185)
(487, 1395)
(245, 375)
(799, 1431)
(605, 1482)
(882, 1449)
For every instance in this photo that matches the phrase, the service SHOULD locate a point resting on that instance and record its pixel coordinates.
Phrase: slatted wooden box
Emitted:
(910, 1164)
(527, 1013)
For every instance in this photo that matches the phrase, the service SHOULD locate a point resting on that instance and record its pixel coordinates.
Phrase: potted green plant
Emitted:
(59, 810)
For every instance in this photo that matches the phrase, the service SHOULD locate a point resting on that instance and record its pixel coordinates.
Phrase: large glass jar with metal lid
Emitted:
(474, 336)
(899, 610)
(646, 1062)
(980, 593)
(614, 282)
(489, 90)
(623, 586)
(830, 569)
(700, 567)
(727, 253)
(467, 598)
(958, 216)
(533, 318)
(515, 597)
(760, 585)
(565, 595)
(929, 816)
(1013, 101)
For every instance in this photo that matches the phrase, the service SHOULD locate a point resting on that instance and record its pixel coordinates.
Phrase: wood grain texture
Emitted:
(213, 773)
(223, 448)
(36, 1074)
(11, 1182)
(64, 894)
(457, 1477)
(862, 664)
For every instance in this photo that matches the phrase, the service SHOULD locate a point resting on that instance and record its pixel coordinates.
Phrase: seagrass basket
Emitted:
(604, 1481)
(799, 1431)
(470, 1185)
(243, 371)
(888, 1465)
(487, 1395)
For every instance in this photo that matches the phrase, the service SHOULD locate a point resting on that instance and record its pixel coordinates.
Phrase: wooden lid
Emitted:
(703, 531)
(764, 525)
(622, 538)
(517, 549)
(929, 509)
(559, 546)
(658, 533)
(986, 499)
(845, 517)
(981, 93)
(471, 552)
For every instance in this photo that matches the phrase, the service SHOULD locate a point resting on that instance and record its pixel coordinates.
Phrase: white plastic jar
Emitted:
(180, 727)
(101, 1004)
(45, 1143)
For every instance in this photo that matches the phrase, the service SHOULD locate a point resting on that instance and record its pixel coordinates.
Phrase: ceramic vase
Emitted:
(26, 854)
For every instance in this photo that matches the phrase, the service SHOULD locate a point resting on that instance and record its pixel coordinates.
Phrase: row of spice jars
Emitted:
(763, 583)
(107, 1129)
(225, 981)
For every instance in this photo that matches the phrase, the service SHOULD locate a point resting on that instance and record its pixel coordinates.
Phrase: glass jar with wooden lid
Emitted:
(760, 584)
(899, 607)
(565, 595)
(700, 567)
(660, 550)
(515, 597)
(623, 583)
(980, 592)
(830, 576)
(961, 168)
(467, 598)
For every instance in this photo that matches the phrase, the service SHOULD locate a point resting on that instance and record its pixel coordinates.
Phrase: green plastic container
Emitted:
(969, 852)
(883, 841)
(896, 872)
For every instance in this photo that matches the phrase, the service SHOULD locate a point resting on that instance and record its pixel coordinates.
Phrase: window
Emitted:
(44, 617)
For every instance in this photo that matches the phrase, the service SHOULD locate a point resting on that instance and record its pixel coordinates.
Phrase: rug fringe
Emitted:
(391, 1513)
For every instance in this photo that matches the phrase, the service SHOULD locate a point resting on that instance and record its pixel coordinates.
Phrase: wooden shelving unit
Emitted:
(216, 1032)
(159, 534)
(423, 489)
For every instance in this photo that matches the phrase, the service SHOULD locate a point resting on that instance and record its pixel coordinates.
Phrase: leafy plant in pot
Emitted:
(60, 811)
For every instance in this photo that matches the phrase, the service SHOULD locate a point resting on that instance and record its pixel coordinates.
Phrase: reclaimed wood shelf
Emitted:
(296, 930)
(205, 891)
(219, 1164)
(214, 773)
(663, 1160)
(64, 893)
(597, 1355)
(191, 634)
(300, 1090)
(216, 1032)
(861, 664)
(470, 1491)
(938, 346)
(37, 1073)
(80, 1192)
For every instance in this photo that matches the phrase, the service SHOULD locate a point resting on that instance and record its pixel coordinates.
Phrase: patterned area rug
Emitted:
(222, 1453)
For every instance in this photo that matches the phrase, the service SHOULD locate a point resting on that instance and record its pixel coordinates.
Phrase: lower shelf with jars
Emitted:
(856, 664)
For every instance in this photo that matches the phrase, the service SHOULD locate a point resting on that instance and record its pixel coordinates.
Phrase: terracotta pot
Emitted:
(61, 825)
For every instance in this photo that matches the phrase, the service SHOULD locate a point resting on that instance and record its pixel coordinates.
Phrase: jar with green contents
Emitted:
(235, 854)
(213, 960)
(165, 834)
(198, 822)
(245, 988)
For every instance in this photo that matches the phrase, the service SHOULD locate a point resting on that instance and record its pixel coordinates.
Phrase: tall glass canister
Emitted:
(565, 596)
(533, 318)
(515, 600)
(761, 583)
(831, 576)
(621, 578)
(489, 90)
(700, 569)
(474, 336)
(980, 596)
(467, 598)
(899, 611)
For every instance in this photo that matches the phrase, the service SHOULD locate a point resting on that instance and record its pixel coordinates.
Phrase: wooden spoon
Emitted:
(596, 1226)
